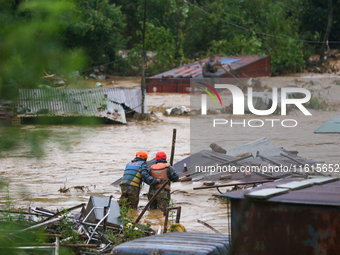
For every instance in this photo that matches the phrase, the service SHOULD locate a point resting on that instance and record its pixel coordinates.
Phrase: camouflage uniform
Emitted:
(162, 200)
(132, 179)
(131, 193)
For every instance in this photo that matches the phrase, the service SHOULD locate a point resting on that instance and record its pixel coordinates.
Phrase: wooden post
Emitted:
(57, 245)
(173, 147)
(143, 60)
(150, 201)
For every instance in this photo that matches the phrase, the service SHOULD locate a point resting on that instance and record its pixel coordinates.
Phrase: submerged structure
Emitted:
(78, 106)
(178, 79)
(330, 127)
(255, 161)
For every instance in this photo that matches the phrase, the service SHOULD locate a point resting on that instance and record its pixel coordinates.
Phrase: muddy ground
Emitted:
(94, 157)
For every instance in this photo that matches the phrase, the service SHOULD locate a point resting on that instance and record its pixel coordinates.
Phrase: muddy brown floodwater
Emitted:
(96, 156)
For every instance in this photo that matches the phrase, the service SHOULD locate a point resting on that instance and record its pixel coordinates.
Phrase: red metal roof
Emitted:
(194, 69)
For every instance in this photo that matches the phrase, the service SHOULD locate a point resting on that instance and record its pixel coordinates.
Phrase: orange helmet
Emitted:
(142, 155)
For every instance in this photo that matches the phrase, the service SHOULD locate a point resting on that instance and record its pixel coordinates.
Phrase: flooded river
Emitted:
(96, 156)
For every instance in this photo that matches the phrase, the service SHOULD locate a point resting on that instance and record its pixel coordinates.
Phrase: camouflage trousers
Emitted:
(131, 193)
(162, 200)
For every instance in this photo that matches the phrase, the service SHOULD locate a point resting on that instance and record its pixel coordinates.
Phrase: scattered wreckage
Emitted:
(244, 166)
(96, 226)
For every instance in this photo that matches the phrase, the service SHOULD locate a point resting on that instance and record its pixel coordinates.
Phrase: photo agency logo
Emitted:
(238, 102)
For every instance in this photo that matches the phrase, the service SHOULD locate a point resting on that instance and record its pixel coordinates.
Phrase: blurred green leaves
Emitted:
(98, 30)
(11, 225)
(31, 142)
(30, 44)
(30, 41)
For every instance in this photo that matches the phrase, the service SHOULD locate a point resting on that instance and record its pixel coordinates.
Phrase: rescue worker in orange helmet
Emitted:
(132, 180)
(159, 172)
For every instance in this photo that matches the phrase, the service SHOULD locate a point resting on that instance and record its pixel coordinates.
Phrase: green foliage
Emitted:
(317, 103)
(177, 32)
(98, 30)
(268, 17)
(130, 66)
(131, 231)
(66, 229)
(172, 222)
(165, 26)
(10, 229)
(30, 44)
(160, 40)
(30, 41)
(8, 206)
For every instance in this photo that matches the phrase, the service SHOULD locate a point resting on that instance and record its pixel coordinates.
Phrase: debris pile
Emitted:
(176, 111)
(255, 162)
(54, 81)
(98, 227)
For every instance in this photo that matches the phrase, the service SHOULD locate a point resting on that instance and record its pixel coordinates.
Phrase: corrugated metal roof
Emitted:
(326, 194)
(132, 98)
(210, 158)
(194, 69)
(82, 102)
(176, 243)
(331, 126)
(262, 145)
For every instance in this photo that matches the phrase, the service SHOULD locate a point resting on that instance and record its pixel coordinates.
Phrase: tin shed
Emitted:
(287, 217)
(178, 80)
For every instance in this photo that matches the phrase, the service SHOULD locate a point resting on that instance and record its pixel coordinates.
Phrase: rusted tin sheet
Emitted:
(176, 243)
(305, 221)
(269, 228)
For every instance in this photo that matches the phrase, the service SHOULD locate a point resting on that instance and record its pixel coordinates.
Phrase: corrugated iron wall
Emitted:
(82, 102)
(282, 228)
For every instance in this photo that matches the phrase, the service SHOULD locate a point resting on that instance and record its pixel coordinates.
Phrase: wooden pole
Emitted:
(207, 225)
(57, 245)
(143, 60)
(150, 201)
(173, 147)
(237, 79)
